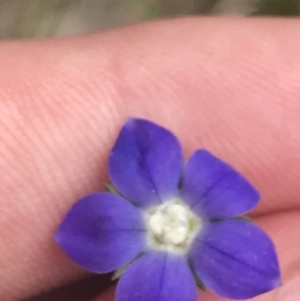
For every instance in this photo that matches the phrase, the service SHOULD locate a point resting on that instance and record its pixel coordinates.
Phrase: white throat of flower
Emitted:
(172, 226)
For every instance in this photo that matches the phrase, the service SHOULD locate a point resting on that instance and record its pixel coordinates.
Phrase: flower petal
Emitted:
(235, 259)
(214, 189)
(102, 232)
(146, 163)
(158, 276)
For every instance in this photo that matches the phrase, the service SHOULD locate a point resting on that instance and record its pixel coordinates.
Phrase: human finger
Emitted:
(216, 83)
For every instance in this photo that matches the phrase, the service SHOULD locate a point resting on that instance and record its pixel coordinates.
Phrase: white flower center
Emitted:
(172, 226)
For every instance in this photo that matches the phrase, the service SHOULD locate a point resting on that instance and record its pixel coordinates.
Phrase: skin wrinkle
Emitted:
(54, 138)
(55, 158)
(43, 222)
(40, 166)
(64, 125)
(10, 215)
(221, 67)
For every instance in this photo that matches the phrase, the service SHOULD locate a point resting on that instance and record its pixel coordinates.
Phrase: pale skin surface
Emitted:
(229, 85)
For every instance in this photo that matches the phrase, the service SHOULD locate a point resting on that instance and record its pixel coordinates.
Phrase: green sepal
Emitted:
(215, 220)
(244, 218)
(118, 273)
(112, 189)
(199, 282)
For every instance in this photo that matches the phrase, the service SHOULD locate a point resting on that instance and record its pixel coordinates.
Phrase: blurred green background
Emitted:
(46, 18)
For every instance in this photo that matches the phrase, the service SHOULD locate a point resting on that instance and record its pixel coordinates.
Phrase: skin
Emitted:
(228, 85)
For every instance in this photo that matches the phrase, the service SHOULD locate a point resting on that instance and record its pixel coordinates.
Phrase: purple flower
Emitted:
(170, 225)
